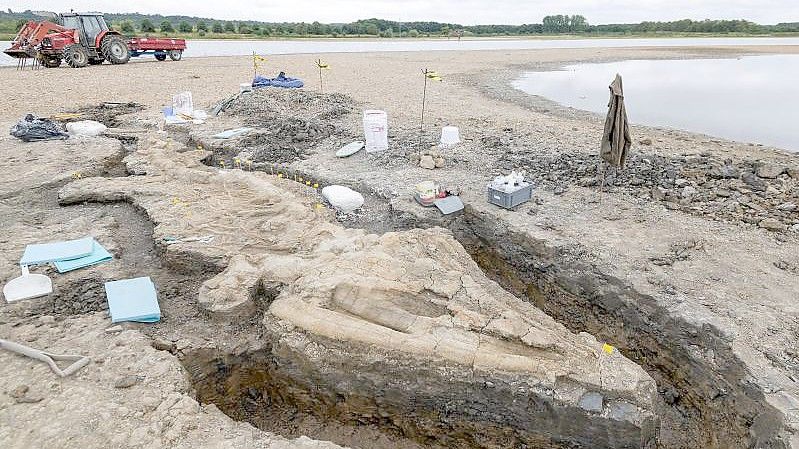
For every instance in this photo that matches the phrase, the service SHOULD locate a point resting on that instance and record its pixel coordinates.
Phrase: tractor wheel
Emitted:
(115, 49)
(76, 56)
(96, 61)
(175, 55)
(51, 62)
(160, 56)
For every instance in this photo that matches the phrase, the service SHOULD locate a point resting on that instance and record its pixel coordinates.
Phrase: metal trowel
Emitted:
(27, 286)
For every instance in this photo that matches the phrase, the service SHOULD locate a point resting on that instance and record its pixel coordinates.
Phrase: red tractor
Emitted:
(83, 39)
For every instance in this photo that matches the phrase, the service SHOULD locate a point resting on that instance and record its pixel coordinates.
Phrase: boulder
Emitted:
(770, 171)
(427, 162)
(772, 224)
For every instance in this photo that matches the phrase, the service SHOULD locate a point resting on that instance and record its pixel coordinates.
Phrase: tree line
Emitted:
(554, 24)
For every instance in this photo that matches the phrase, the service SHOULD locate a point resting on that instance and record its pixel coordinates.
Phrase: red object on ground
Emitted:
(140, 44)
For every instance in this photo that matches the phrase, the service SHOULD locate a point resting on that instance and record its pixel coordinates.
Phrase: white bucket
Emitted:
(450, 135)
(375, 129)
(245, 87)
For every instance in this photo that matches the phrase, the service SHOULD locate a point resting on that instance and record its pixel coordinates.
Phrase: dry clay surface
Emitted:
(131, 395)
(409, 294)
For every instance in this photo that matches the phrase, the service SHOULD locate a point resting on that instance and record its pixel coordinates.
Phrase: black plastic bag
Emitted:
(32, 128)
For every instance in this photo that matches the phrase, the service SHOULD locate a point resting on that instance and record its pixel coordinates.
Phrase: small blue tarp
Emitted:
(133, 300)
(281, 80)
(50, 252)
(97, 256)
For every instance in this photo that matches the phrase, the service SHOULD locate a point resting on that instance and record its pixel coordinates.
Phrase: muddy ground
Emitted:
(674, 266)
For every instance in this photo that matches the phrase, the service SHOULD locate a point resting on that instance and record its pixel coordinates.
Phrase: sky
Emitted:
(465, 12)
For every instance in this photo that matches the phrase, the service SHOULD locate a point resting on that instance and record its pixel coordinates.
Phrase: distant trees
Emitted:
(564, 24)
(372, 29)
(126, 26)
(218, 27)
(230, 27)
(243, 28)
(413, 33)
(146, 26)
(166, 27)
(185, 27)
(201, 26)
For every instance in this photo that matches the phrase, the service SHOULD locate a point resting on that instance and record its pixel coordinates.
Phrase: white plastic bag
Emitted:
(86, 128)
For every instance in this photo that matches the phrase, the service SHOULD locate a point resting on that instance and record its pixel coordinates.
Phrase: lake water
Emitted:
(198, 48)
(749, 99)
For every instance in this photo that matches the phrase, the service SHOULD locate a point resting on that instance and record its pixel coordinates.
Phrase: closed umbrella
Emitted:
(616, 138)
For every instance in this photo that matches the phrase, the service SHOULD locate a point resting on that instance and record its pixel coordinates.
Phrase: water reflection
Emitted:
(750, 99)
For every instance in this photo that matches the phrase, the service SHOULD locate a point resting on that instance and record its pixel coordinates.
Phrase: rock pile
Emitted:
(429, 159)
(763, 194)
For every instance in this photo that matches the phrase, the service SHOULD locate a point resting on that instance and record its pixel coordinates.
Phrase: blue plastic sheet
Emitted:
(97, 256)
(51, 252)
(133, 300)
(281, 80)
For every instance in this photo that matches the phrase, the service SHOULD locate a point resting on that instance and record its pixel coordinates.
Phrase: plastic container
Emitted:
(375, 129)
(450, 136)
(182, 103)
(245, 87)
(509, 200)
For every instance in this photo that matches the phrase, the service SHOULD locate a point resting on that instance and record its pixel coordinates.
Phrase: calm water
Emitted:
(246, 47)
(749, 99)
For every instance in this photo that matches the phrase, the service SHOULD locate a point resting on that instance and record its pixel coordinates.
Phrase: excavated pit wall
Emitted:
(419, 404)
(724, 408)
(715, 403)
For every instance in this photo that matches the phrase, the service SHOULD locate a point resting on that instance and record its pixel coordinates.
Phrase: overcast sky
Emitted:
(467, 12)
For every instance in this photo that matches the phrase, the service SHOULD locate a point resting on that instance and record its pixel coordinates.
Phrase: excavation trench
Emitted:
(708, 400)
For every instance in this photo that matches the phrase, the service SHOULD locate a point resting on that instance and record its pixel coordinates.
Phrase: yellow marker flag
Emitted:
(433, 76)
(322, 65)
(258, 58)
(608, 348)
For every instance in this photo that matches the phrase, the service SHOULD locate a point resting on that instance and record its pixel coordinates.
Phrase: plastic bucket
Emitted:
(375, 129)
(450, 135)
(245, 87)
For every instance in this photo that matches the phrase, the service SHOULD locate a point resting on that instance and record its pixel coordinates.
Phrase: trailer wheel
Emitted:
(160, 56)
(175, 55)
(76, 56)
(115, 49)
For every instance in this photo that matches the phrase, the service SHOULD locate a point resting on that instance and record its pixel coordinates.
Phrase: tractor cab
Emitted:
(89, 25)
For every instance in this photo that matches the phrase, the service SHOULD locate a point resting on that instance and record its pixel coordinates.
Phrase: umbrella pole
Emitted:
(602, 185)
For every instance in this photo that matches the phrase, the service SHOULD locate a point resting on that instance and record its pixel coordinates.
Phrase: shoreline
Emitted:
(686, 262)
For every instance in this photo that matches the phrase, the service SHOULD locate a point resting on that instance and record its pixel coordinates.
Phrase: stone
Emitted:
(724, 172)
(659, 193)
(722, 193)
(162, 344)
(772, 224)
(646, 142)
(126, 382)
(114, 329)
(770, 171)
(754, 182)
(343, 198)
(427, 162)
(592, 402)
(788, 207)
(439, 162)
(688, 192)
(19, 391)
(793, 172)
(795, 228)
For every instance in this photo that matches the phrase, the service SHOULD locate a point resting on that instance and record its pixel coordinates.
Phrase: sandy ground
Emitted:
(731, 284)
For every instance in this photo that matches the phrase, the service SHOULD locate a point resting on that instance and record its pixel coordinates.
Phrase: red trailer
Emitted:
(160, 47)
